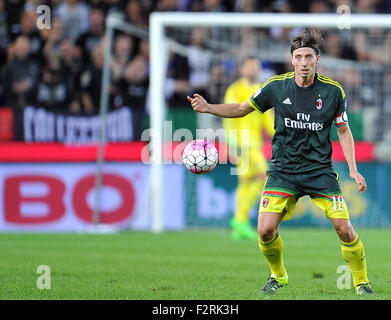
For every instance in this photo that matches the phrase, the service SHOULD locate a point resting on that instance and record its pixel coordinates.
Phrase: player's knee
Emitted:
(266, 231)
(345, 230)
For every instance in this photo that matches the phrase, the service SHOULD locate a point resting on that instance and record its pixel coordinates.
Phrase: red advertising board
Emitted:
(61, 196)
(135, 152)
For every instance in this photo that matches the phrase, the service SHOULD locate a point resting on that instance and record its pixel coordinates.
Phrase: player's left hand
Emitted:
(361, 185)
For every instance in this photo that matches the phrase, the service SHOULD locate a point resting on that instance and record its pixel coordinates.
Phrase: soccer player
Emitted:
(251, 162)
(305, 104)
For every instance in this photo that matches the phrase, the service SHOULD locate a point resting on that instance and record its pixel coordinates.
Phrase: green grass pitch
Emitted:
(194, 264)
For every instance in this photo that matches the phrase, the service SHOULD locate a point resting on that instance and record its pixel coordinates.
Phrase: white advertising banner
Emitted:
(60, 197)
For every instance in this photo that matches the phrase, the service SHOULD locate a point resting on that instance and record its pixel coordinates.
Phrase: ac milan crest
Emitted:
(265, 202)
(319, 104)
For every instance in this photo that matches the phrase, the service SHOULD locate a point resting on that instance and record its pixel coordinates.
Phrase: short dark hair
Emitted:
(246, 58)
(310, 38)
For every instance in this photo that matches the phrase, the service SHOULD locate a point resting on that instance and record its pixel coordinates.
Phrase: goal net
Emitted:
(201, 52)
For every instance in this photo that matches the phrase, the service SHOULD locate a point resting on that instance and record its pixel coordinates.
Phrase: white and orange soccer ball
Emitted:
(200, 156)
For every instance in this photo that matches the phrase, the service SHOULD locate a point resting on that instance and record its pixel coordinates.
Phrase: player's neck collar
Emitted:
(308, 87)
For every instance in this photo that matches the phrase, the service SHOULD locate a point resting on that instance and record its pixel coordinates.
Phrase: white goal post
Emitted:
(158, 51)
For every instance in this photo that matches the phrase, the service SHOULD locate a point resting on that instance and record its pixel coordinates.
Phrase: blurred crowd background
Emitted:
(60, 68)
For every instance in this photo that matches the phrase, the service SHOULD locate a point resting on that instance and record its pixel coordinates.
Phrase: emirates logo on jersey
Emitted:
(319, 104)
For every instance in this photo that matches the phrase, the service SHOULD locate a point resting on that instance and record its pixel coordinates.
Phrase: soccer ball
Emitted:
(200, 156)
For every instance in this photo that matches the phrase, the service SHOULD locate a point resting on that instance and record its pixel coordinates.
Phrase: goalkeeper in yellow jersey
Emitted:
(251, 162)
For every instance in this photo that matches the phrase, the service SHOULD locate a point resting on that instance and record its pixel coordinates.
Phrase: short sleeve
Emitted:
(261, 99)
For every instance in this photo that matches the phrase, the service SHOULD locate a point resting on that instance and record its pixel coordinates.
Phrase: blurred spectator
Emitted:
(248, 40)
(366, 6)
(20, 75)
(102, 4)
(387, 93)
(134, 87)
(332, 45)
(334, 48)
(213, 6)
(69, 59)
(55, 3)
(54, 37)
(217, 86)
(3, 35)
(353, 86)
(337, 3)
(200, 62)
(112, 3)
(319, 6)
(167, 5)
(28, 29)
(136, 13)
(93, 35)
(32, 5)
(373, 45)
(185, 5)
(54, 92)
(246, 6)
(13, 8)
(177, 82)
(196, 6)
(91, 82)
(123, 51)
(71, 67)
(284, 34)
(74, 14)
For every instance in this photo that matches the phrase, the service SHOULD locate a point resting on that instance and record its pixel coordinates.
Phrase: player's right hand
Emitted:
(198, 103)
(361, 185)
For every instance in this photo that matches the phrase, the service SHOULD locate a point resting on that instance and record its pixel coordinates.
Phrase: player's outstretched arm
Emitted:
(347, 143)
(227, 110)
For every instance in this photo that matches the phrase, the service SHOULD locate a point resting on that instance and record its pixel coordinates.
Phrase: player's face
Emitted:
(250, 69)
(305, 61)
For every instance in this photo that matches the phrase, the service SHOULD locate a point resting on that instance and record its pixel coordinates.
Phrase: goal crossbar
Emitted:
(172, 19)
